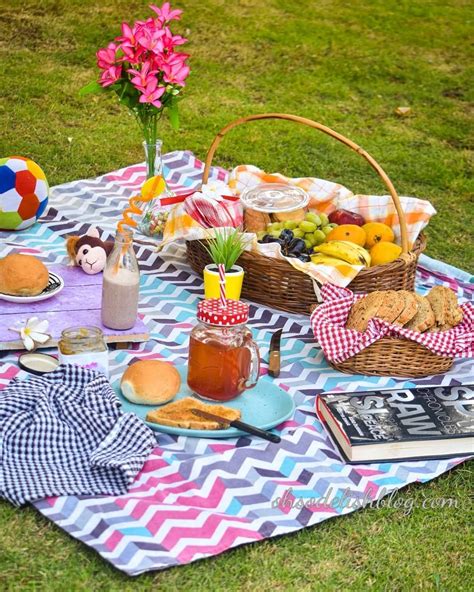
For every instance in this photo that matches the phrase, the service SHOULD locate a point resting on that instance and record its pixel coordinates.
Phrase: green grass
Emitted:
(346, 64)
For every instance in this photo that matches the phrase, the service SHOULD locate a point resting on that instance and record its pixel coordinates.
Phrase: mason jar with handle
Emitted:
(224, 360)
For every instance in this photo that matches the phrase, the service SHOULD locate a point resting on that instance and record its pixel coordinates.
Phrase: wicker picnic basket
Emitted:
(277, 284)
(394, 356)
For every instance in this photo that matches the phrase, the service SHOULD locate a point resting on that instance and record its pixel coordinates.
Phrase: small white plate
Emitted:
(55, 285)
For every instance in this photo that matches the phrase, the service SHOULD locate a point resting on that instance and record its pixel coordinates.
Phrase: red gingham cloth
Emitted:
(338, 343)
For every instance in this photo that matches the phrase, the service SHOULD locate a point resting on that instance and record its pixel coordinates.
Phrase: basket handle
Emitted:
(319, 126)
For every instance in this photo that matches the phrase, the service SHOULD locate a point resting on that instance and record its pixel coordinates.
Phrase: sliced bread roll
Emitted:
(363, 310)
(410, 307)
(424, 318)
(391, 306)
(179, 414)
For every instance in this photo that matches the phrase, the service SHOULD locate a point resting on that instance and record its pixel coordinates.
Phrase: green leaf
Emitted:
(92, 87)
(173, 114)
(225, 246)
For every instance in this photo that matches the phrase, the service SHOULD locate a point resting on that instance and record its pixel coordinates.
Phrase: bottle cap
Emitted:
(211, 312)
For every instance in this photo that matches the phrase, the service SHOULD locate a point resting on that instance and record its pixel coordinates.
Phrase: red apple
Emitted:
(346, 217)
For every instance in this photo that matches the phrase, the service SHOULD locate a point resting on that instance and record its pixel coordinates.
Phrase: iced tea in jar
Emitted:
(223, 358)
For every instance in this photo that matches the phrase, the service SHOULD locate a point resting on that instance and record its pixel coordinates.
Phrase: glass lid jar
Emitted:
(274, 197)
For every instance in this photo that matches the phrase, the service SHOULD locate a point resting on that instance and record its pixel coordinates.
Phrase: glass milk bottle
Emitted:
(121, 283)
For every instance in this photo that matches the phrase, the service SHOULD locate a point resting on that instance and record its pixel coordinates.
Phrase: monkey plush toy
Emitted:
(88, 251)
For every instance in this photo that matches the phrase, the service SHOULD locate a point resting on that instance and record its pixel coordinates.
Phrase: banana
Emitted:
(349, 252)
(320, 259)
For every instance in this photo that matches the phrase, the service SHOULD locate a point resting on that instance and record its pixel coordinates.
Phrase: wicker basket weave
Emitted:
(276, 283)
(393, 356)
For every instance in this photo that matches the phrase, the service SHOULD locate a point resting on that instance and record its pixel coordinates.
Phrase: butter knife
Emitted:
(240, 425)
(274, 359)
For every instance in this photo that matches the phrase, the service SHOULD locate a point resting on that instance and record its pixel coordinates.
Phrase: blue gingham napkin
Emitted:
(65, 433)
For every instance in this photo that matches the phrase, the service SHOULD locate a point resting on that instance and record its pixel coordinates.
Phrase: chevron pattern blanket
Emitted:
(197, 498)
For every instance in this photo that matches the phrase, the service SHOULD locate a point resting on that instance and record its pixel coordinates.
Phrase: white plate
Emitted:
(55, 285)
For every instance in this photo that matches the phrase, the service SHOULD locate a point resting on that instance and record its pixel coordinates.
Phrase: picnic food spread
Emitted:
(22, 275)
(293, 245)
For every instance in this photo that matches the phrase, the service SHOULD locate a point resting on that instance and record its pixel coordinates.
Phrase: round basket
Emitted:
(392, 356)
(277, 284)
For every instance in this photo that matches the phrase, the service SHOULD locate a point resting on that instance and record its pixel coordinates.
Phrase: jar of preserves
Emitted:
(223, 358)
(84, 346)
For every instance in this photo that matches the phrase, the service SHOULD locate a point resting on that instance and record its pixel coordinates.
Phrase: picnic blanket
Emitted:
(196, 498)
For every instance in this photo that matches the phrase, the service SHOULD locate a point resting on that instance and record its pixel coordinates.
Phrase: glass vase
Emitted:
(154, 214)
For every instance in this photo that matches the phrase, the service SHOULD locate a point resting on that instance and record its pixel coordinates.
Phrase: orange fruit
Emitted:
(348, 232)
(384, 252)
(377, 232)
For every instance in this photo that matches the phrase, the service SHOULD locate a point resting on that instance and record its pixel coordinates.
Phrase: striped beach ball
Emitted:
(23, 192)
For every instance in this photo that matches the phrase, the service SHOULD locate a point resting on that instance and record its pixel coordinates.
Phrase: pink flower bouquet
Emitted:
(144, 67)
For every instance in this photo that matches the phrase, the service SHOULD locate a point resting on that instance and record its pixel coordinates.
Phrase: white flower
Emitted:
(216, 189)
(32, 332)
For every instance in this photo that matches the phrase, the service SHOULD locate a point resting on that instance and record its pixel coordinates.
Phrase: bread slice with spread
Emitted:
(179, 414)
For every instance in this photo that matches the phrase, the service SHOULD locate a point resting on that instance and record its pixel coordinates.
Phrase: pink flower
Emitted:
(175, 71)
(152, 93)
(149, 37)
(169, 40)
(141, 78)
(107, 57)
(110, 76)
(165, 13)
(128, 41)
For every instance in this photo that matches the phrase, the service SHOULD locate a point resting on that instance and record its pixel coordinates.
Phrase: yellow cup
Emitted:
(233, 282)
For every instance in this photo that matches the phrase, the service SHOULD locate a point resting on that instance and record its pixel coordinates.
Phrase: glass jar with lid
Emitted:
(275, 198)
(84, 346)
(223, 358)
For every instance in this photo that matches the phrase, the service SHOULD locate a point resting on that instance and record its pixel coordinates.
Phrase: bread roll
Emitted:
(150, 382)
(22, 275)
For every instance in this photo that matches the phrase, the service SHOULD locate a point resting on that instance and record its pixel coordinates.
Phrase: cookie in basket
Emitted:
(445, 307)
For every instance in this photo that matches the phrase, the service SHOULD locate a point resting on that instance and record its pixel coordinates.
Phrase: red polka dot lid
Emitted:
(211, 312)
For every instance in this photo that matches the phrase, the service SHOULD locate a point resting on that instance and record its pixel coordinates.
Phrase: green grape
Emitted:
(314, 218)
(306, 226)
(324, 220)
(297, 233)
(309, 236)
(277, 226)
(308, 243)
(326, 229)
(261, 234)
(319, 237)
(290, 224)
(275, 233)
